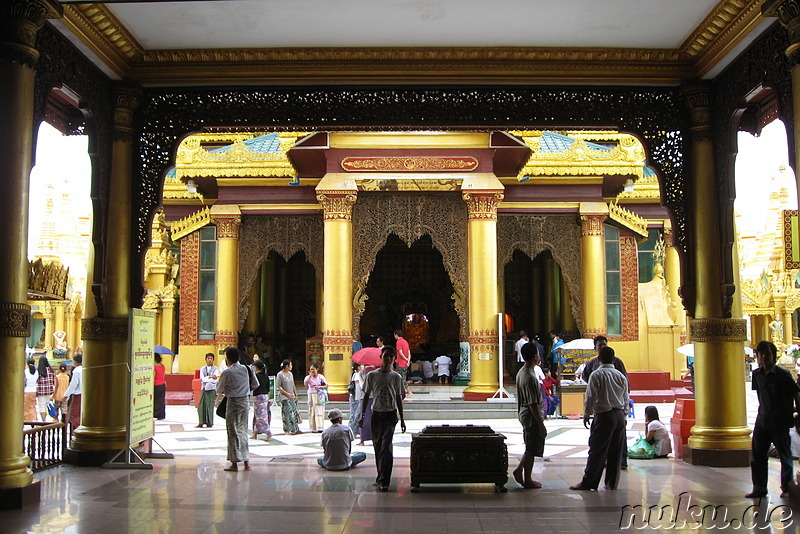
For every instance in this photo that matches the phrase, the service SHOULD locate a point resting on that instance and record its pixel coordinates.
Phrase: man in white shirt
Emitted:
(443, 368)
(607, 399)
(523, 339)
(73, 394)
(336, 442)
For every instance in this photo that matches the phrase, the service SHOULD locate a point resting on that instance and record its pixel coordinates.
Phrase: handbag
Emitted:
(322, 396)
(351, 389)
(223, 406)
(642, 450)
(51, 410)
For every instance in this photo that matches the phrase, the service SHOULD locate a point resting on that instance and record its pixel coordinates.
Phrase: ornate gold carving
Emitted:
(360, 297)
(482, 205)
(227, 226)
(225, 338)
(592, 225)
(192, 160)
(15, 319)
(645, 189)
(409, 164)
(410, 216)
(151, 302)
(417, 184)
(286, 235)
(626, 157)
(193, 222)
(627, 219)
(532, 235)
(104, 329)
(483, 341)
(697, 98)
(714, 329)
(730, 21)
(337, 341)
(21, 21)
(47, 280)
(337, 205)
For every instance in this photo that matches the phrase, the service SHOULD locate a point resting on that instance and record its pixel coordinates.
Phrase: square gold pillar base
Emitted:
(88, 458)
(717, 457)
(18, 498)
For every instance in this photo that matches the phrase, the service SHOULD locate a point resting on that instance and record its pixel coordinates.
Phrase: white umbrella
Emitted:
(578, 344)
(686, 350)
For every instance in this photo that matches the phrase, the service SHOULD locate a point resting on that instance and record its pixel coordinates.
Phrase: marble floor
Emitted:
(287, 492)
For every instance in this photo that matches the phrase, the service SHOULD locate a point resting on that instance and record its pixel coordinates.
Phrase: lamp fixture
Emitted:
(628, 187)
(191, 187)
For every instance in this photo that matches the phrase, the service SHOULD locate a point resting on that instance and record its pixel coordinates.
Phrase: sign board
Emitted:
(142, 339)
(791, 239)
(575, 357)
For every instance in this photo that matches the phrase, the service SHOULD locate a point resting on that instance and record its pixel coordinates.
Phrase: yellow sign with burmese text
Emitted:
(142, 340)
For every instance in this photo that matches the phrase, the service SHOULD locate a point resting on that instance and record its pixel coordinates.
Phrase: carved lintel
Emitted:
(21, 21)
(104, 329)
(15, 319)
(788, 13)
(592, 225)
(337, 206)
(227, 226)
(715, 329)
(127, 97)
(482, 205)
(697, 98)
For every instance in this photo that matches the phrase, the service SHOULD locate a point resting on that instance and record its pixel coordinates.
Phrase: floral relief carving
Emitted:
(284, 234)
(533, 234)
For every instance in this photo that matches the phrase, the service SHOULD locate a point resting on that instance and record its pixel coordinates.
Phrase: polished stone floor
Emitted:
(287, 492)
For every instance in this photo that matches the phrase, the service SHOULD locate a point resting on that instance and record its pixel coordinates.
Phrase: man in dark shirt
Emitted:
(594, 363)
(778, 394)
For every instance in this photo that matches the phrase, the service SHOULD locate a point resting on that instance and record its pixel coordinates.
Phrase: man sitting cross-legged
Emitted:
(336, 441)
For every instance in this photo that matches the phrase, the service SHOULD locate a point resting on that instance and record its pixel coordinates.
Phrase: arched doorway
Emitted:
(282, 310)
(409, 287)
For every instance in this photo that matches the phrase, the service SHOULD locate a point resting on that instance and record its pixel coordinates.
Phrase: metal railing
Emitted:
(44, 444)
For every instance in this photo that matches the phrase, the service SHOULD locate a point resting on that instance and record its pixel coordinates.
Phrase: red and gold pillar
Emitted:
(228, 220)
(593, 268)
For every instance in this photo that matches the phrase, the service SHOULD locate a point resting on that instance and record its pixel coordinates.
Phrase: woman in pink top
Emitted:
(159, 389)
(316, 409)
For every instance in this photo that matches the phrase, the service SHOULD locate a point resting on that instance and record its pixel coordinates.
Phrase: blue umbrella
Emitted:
(160, 349)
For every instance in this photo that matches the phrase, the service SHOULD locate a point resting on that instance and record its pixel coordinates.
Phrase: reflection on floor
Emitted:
(287, 492)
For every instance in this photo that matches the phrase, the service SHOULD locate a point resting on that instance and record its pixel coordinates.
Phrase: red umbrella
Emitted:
(368, 356)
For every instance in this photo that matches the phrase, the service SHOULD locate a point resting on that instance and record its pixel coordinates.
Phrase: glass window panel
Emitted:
(614, 318)
(208, 254)
(612, 256)
(646, 265)
(612, 233)
(206, 310)
(207, 286)
(613, 289)
(208, 233)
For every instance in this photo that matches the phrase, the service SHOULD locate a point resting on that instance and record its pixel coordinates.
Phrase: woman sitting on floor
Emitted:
(657, 434)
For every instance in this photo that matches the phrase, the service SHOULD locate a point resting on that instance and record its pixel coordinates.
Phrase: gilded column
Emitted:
(550, 317)
(21, 21)
(482, 295)
(46, 309)
(337, 286)
(105, 338)
(228, 220)
(167, 318)
(593, 268)
(788, 12)
(721, 436)
(672, 274)
(251, 324)
(268, 299)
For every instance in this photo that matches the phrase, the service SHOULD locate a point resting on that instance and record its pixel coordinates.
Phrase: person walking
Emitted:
(403, 355)
(523, 339)
(316, 384)
(236, 383)
(336, 444)
(45, 386)
(386, 387)
(209, 375)
(62, 383)
(529, 411)
(607, 399)
(355, 394)
(261, 415)
(73, 394)
(286, 394)
(778, 395)
(29, 393)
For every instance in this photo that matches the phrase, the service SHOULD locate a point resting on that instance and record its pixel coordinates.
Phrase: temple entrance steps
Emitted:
(437, 403)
